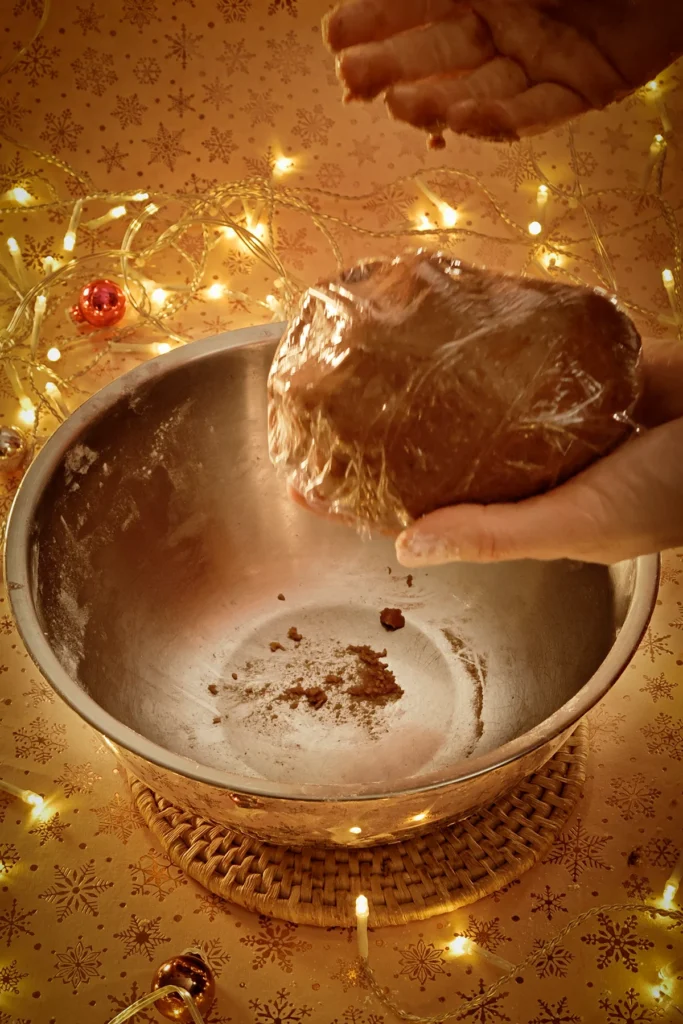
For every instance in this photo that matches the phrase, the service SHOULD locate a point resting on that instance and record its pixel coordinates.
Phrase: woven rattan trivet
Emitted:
(407, 881)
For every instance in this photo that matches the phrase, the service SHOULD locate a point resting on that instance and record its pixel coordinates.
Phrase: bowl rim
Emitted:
(17, 565)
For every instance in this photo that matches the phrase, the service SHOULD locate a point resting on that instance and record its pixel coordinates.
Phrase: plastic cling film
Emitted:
(410, 384)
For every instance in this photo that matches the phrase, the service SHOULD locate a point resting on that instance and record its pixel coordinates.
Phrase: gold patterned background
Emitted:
(180, 95)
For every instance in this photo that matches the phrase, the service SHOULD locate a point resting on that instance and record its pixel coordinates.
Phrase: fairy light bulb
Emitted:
(34, 800)
(53, 355)
(117, 211)
(667, 277)
(159, 296)
(229, 232)
(284, 164)
(69, 241)
(20, 195)
(535, 227)
(13, 246)
(449, 216)
(140, 197)
(355, 830)
(27, 411)
(542, 195)
(215, 290)
(459, 946)
(653, 86)
(162, 347)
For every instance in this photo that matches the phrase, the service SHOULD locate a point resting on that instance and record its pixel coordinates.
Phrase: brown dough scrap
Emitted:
(294, 634)
(392, 619)
(410, 384)
(375, 679)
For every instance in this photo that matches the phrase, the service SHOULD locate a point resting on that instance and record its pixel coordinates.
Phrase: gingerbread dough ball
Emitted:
(410, 384)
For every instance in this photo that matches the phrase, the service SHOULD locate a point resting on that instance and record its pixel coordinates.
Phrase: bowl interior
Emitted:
(163, 546)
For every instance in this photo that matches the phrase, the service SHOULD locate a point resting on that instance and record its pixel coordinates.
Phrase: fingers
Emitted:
(627, 504)
(427, 103)
(551, 51)
(534, 110)
(369, 21)
(458, 44)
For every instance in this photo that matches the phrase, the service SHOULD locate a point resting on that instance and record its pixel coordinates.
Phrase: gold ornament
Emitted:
(190, 972)
(13, 448)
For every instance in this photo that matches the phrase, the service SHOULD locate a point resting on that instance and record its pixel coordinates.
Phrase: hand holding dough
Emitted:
(500, 68)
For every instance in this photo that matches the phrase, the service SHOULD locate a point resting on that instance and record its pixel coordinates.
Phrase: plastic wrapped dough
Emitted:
(419, 382)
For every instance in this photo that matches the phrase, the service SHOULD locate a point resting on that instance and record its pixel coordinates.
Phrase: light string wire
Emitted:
(470, 1007)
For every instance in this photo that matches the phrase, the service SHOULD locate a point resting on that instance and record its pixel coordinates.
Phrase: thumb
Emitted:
(627, 504)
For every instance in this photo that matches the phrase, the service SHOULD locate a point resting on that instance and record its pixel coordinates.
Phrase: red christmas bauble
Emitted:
(101, 304)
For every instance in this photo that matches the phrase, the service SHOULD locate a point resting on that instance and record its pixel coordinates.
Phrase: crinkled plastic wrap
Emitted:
(419, 382)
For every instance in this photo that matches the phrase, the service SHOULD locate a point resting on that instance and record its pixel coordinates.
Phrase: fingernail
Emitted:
(414, 548)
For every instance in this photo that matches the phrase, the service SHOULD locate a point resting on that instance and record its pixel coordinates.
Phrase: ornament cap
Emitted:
(191, 972)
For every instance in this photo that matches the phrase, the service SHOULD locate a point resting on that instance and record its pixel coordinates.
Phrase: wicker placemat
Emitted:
(408, 881)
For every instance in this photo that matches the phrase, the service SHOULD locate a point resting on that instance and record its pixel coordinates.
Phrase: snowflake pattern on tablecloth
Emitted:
(154, 875)
(548, 903)
(215, 955)
(655, 644)
(638, 888)
(490, 1011)
(578, 850)
(77, 778)
(555, 1013)
(117, 818)
(212, 905)
(634, 797)
(349, 974)
(78, 964)
(40, 740)
(554, 961)
(665, 734)
(659, 687)
(14, 921)
(40, 693)
(141, 937)
(11, 977)
(661, 852)
(421, 962)
(354, 1015)
(9, 858)
(487, 934)
(278, 1010)
(629, 1010)
(275, 943)
(122, 999)
(53, 828)
(618, 942)
(76, 890)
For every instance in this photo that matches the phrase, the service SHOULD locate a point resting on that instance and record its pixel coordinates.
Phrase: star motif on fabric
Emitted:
(421, 962)
(53, 828)
(141, 937)
(112, 157)
(578, 850)
(76, 890)
(166, 146)
(14, 922)
(180, 103)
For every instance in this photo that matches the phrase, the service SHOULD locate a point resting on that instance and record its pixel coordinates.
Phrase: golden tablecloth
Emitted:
(179, 95)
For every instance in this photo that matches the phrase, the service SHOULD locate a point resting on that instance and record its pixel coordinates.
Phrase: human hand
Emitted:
(500, 68)
(627, 504)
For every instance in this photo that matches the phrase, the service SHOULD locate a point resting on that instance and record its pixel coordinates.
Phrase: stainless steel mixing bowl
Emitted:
(148, 552)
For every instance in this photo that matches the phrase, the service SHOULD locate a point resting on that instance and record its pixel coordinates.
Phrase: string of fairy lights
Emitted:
(245, 216)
